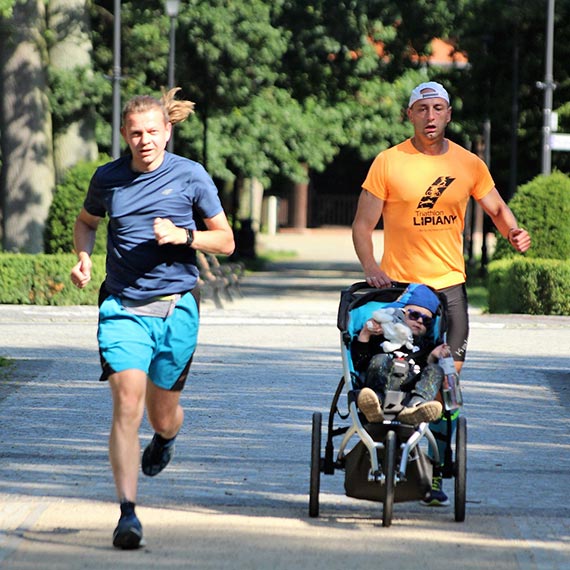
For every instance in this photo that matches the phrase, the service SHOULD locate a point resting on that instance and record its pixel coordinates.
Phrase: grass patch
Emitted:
(7, 381)
(262, 260)
(477, 292)
(6, 366)
(278, 255)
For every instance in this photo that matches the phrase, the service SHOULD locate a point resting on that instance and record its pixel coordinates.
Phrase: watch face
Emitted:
(189, 237)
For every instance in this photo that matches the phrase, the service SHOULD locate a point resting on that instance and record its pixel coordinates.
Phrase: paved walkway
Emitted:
(322, 245)
(236, 494)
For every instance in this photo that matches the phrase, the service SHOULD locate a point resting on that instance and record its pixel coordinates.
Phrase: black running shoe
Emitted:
(157, 455)
(128, 535)
(436, 497)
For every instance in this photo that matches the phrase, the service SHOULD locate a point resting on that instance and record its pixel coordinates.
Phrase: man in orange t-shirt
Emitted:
(421, 188)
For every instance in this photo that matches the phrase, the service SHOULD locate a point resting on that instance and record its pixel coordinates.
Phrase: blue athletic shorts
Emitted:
(161, 347)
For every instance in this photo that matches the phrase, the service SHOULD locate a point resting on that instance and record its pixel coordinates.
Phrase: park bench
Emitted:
(218, 281)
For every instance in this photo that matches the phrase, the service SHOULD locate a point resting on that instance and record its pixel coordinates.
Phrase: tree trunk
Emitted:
(250, 201)
(301, 202)
(28, 177)
(72, 48)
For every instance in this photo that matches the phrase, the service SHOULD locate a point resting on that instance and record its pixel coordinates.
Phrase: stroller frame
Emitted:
(378, 466)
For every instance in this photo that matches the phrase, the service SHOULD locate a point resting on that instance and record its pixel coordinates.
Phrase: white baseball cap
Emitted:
(428, 90)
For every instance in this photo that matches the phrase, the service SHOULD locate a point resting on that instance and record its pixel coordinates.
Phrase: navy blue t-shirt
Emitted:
(137, 267)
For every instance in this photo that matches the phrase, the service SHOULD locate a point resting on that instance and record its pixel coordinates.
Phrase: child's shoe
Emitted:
(369, 404)
(418, 411)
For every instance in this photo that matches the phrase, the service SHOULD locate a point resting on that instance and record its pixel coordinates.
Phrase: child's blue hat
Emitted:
(423, 296)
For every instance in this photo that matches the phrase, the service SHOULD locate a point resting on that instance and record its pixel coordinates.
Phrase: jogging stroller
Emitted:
(390, 461)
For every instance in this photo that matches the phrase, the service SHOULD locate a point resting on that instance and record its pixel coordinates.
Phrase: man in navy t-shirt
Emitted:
(148, 318)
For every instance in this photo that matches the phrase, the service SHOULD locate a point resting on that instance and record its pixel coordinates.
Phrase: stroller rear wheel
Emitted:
(315, 482)
(389, 468)
(460, 470)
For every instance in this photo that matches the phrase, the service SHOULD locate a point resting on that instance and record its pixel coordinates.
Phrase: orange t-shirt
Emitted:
(425, 198)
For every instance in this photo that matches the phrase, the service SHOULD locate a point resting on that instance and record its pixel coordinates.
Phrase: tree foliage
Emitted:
(6, 8)
(288, 85)
(506, 45)
(280, 85)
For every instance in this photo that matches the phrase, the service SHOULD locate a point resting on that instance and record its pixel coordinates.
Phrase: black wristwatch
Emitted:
(189, 237)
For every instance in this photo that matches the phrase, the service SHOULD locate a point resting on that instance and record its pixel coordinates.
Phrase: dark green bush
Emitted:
(44, 280)
(529, 286)
(66, 204)
(537, 283)
(542, 206)
(17, 277)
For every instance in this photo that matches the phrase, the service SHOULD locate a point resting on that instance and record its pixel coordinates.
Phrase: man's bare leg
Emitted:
(128, 391)
(166, 416)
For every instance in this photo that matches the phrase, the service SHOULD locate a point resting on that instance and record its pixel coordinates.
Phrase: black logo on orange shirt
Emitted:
(433, 193)
(434, 218)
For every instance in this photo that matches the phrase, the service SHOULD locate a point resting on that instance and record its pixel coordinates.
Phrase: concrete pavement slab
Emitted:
(236, 494)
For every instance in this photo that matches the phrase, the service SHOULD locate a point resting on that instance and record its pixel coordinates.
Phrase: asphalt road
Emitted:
(236, 494)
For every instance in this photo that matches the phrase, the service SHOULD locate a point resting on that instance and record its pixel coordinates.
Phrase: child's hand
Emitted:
(370, 328)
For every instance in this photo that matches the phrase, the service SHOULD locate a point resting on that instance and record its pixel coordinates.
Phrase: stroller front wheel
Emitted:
(460, 470)
(315, 482)
(389, 468)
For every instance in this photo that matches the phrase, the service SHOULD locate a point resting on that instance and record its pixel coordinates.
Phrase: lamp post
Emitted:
(548, 86)
(116, 143)
(172, 8)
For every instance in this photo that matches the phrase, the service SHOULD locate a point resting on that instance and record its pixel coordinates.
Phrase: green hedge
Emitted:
(542, 206)
(529, 286)
(66, 204)
(44, 280)
(519, 285)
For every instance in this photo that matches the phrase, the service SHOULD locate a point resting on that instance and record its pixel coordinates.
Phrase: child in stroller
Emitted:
(391, 405)
(413, 370)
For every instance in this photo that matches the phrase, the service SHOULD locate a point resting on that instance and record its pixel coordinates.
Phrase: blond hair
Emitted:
(173, 111)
